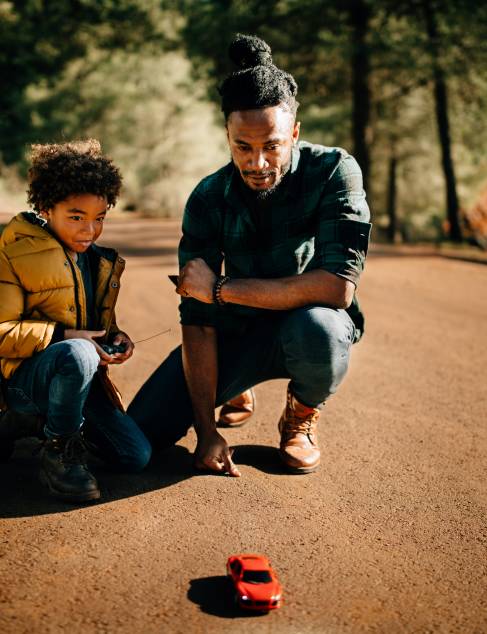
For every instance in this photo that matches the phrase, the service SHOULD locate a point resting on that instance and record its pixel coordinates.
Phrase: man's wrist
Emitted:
(218, 289)
(231, 292)
(203, 430)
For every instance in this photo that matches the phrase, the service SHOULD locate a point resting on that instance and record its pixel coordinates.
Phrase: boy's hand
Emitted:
(121, 357)
(91, 335)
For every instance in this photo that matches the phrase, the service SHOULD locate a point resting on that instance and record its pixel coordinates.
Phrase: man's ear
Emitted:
(296, 128)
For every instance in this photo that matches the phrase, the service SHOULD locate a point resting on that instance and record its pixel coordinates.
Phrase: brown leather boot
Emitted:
(299, 443)
(238, 410)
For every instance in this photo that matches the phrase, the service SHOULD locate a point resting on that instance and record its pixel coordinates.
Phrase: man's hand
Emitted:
(91, 335)
(200, 364)
(121, 357)
(197, 280)
(213, 453)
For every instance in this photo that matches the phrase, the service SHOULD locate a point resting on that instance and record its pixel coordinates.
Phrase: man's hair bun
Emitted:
(257, 82)
(247, 51)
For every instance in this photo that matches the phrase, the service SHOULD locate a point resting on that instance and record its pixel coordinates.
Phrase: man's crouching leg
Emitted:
(316, 344)
(113, 435)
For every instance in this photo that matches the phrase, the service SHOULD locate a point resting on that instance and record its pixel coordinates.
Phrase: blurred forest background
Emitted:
(401, 84)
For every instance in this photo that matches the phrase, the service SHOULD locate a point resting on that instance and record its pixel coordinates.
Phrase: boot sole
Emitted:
(296, 471)
(68, 497)
(299, 470)
(221, 423)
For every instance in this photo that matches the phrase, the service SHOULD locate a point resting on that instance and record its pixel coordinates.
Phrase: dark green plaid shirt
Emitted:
(317, 219)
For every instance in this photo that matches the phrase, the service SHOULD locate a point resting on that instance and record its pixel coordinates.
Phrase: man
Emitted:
(289, 222)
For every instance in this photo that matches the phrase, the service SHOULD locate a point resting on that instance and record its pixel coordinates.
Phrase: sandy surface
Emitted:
(389, 536)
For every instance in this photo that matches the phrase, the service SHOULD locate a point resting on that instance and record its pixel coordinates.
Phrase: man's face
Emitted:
(77, 221)
(260, 143)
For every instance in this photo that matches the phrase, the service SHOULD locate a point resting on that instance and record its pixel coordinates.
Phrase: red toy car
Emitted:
(255, 583)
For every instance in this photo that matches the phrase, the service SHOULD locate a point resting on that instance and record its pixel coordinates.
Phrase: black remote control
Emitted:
(112, 348)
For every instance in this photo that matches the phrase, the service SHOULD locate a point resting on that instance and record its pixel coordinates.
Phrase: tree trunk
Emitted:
(359, 16)
(392, 197)
(441, 107)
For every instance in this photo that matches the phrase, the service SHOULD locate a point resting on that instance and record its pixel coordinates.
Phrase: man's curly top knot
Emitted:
(258, 83)
(247, 51)
(61, 170)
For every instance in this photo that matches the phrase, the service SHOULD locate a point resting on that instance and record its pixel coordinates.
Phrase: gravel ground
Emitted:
(388, 536)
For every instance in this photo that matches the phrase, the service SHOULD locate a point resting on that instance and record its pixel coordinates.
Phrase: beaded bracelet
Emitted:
(217, 290)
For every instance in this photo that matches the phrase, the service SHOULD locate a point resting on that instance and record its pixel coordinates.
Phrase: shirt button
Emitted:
(71, 309)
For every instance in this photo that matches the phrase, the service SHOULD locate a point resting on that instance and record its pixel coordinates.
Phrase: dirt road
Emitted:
(389, 536)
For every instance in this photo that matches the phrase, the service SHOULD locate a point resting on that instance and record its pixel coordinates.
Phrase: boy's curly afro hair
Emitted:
(61, 170)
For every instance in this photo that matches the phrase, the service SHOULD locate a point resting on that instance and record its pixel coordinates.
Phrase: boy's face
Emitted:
(77, 221)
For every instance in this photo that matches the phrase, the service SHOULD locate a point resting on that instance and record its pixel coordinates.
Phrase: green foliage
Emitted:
(38, 39)
(151, 118)
(315, 42)
(118, 70)
(148, 116)
(123, 81)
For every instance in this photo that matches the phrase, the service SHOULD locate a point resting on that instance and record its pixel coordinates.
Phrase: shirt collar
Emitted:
(294, 186)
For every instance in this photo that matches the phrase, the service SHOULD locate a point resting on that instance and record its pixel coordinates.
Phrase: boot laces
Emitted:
(74, 451)
(297, 425)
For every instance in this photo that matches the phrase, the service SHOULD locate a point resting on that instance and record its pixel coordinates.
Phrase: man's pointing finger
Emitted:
(230, 467)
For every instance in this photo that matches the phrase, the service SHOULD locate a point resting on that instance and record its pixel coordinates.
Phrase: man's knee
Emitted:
(78, 356)
(317, 333)
(137, 460)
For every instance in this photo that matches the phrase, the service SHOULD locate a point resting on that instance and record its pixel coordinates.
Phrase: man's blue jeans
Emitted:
(61, 384)
(309, 345)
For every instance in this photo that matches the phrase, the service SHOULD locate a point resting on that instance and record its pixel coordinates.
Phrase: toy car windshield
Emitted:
(256, 576)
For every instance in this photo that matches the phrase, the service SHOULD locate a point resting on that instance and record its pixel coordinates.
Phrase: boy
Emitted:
(57, 297)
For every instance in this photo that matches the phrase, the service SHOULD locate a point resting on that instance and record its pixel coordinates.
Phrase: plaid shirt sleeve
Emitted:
(200, 239)
(343, 230)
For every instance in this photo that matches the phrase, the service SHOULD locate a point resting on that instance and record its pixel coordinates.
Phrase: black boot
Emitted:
(15, 425)
(64, 470)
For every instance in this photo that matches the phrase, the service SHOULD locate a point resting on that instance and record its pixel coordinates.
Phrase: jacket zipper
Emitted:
(112, 310)
(76, 292)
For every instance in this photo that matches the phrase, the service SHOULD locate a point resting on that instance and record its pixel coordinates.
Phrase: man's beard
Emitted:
(264, 194)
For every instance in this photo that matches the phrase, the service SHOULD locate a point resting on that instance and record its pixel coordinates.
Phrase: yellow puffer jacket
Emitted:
(41, 287)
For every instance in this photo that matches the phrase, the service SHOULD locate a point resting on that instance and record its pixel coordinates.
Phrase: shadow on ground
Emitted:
(214, 595)
(261, 457)
(22, 494)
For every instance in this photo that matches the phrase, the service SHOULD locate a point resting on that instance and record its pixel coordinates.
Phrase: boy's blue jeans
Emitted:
(61, 384)
(309, 345)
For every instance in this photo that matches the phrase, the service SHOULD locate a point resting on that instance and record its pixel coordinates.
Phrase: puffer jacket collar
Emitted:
(28, 224)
